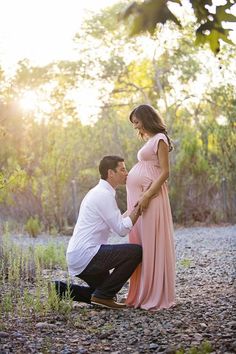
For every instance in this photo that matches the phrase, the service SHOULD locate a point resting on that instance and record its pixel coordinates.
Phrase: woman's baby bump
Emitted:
(139, 177)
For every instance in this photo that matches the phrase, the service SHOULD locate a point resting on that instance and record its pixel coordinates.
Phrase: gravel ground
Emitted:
(205, 310)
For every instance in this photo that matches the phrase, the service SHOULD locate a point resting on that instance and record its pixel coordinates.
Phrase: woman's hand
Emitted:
(144, 202)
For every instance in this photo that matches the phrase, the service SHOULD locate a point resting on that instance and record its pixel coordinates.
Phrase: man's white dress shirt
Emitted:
(98, 216)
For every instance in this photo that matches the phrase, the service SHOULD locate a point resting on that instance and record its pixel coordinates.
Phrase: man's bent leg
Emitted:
(93, 277)
(123, 259)
(74, 291)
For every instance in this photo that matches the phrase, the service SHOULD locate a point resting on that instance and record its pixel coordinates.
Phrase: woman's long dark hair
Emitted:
(151, 121)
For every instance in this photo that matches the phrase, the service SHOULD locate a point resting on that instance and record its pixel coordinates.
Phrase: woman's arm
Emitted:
(153, 190)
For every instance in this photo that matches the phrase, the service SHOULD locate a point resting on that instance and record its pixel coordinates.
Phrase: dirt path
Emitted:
(205, 311)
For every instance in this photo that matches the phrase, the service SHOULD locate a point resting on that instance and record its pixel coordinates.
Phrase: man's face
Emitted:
(119, 176)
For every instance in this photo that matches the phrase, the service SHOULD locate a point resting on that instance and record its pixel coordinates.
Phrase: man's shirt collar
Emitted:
(107, 186)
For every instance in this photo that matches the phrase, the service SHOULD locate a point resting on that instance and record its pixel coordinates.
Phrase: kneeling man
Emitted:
(104, 267)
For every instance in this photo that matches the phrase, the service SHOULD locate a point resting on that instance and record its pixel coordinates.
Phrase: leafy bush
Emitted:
(33, 226)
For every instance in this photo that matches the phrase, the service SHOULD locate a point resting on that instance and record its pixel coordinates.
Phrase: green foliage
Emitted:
(51, 255)
(33, 226)
(44, 150)
(20, 267)
(204, 348)
(211, 28)
(147, 15)
(185, 262)
(11, 180)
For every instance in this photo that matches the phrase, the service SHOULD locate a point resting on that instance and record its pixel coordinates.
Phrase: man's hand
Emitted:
(135, 214)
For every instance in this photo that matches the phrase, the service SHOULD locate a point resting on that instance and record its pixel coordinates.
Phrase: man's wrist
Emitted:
(134, 215)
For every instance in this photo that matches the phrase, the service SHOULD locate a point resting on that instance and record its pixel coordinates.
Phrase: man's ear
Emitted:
(110, 173)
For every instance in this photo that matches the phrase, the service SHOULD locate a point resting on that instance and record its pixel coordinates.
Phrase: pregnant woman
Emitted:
(152, 285)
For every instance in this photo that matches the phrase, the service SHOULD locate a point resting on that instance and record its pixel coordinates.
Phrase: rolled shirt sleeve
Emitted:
(127, 223)
(112, 216)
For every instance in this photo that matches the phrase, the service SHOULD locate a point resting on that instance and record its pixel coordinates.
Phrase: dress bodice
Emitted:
(149, 150)
(147, 169)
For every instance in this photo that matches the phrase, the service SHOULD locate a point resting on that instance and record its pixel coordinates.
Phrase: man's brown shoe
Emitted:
(108, 303)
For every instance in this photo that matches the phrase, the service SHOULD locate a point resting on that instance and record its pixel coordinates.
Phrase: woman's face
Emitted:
(137, 124)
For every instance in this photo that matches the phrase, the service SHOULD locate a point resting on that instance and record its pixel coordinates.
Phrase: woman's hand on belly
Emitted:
(144, 200)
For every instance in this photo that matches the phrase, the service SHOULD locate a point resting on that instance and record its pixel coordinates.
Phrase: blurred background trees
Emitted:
(49, 159)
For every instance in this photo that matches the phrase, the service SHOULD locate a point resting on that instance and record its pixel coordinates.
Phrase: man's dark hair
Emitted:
(108, 163)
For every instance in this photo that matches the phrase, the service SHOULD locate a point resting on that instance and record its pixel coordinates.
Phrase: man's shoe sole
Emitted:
(107, 306)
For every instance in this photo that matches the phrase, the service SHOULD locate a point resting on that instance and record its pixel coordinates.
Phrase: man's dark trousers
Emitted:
(103, 283)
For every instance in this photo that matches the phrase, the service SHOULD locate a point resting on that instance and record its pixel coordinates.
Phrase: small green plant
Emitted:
(28, 300)
(204, 348)
(53, 231)
(50, 255)
(33, 226)
(7, 302)
(6, 231)
(63, 306)
(185, 262)
(2, 325)
(47, 345)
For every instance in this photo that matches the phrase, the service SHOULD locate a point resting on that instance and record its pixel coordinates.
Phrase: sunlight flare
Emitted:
(29, 101)
(36, 102)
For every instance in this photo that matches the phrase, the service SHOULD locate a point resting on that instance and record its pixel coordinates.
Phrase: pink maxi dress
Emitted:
(152, 285)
